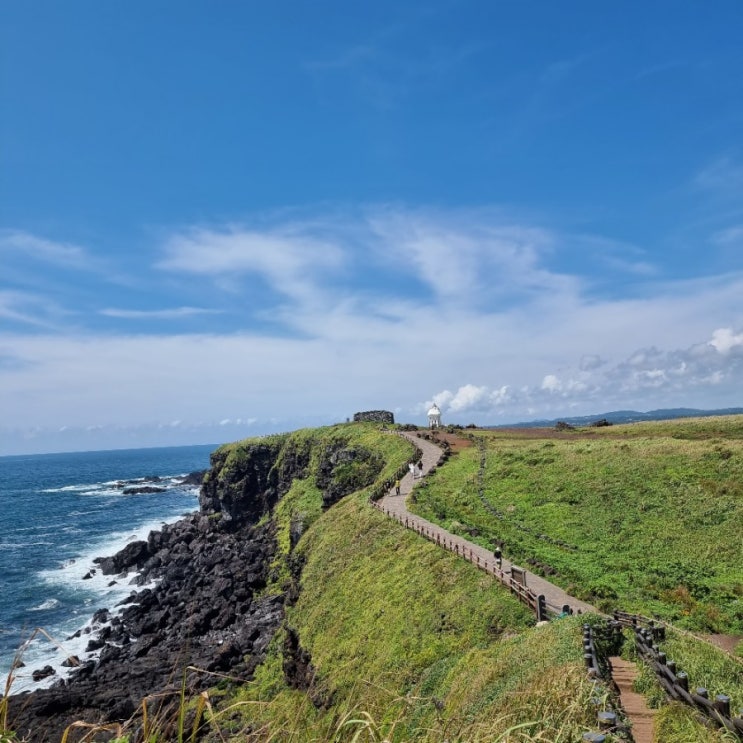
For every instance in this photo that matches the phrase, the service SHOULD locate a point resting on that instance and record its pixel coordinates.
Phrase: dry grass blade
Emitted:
(92, 729)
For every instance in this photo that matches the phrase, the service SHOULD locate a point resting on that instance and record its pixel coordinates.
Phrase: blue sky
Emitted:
(222, 219)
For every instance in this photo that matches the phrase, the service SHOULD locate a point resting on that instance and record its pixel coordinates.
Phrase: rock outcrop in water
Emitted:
(206, 616)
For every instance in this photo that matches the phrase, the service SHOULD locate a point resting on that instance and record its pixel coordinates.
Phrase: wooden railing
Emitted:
(648, 634)
(514, 580)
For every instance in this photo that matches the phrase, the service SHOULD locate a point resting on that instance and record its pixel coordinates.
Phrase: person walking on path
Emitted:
(397, 487)
(498, 555)
(397, 508)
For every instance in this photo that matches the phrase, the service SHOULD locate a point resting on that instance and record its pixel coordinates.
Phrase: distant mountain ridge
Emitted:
(625, 416)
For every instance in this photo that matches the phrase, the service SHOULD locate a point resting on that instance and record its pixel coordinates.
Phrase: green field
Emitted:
(643, 517)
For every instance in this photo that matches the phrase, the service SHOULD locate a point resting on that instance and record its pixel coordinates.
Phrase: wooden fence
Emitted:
(648, 634)
(515, 580)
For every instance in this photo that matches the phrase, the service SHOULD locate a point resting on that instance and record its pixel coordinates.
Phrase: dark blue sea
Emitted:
(59, 512)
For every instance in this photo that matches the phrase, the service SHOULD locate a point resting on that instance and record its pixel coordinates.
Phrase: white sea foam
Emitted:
(43, 650)
(102, 492)
(44, 605)
(68, 488)
(95, 592)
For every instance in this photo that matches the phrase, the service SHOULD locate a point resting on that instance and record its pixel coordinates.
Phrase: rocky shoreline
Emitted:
(203, 613)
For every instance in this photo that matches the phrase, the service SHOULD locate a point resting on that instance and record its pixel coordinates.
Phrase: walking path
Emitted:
(624, 673)
(395, 506)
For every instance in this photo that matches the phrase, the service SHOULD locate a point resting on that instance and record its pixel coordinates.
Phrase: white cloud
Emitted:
(725, 340)
(468, 397)
(649, 378)
(465, 256)
(29, 309)
(355, 332)
(290, 260)
(29, 245)
(166, 314)
(551, 383)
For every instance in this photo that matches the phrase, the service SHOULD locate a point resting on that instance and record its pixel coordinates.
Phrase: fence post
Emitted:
(722, 704)
(541, 608)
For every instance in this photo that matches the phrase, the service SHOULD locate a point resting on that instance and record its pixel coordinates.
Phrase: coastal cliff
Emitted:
(218, 584)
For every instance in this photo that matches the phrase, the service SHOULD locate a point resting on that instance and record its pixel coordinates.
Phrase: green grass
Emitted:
(705, 665)
(412, 643)
(643, 517)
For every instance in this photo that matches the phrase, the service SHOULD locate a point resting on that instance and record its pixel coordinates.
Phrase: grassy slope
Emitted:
(408, 640)
(655, 510)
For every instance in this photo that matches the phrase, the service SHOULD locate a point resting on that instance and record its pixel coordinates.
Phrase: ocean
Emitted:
(60, 511)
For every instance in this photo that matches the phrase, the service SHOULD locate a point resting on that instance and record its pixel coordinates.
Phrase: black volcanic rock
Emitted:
(143, 490)
(194, 478)
(193, 617)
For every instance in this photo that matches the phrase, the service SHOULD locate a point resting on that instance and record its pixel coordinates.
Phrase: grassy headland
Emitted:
(401, 639)
(413, 644)
(644, 517)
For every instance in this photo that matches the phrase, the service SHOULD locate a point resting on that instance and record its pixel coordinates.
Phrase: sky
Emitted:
(219, 220)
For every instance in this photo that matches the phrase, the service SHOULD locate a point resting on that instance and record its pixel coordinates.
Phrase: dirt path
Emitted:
(395, 506)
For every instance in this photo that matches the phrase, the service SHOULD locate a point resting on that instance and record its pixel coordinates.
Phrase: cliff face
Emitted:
(211, 608)
(247, 480)
(243, 482)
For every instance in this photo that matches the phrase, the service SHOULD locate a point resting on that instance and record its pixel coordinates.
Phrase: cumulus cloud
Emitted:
(648, 377)
(551, 383)
(725, 340)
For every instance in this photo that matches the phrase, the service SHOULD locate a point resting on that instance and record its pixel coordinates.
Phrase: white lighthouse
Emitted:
(434, 417)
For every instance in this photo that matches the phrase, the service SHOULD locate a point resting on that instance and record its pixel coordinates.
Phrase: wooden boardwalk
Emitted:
(396, 507)
(624, 673)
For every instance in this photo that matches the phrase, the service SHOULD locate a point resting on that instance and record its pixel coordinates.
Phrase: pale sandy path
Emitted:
(396, 506)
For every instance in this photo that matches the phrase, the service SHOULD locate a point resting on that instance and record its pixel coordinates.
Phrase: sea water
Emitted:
(59, 512)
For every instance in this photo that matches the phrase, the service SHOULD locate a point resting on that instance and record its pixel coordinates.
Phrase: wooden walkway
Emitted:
(396, 507)
(624, 673)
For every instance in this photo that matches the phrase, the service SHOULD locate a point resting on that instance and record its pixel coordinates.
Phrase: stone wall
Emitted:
(374, 416)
